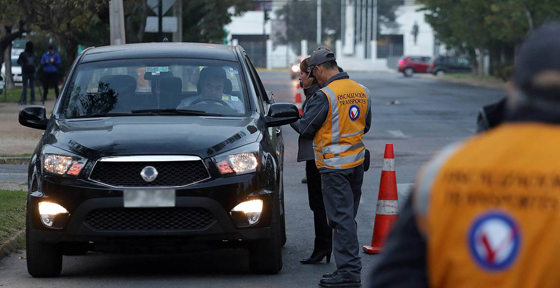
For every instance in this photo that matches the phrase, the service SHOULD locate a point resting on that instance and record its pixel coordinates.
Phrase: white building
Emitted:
(359, 50)
(250, 31)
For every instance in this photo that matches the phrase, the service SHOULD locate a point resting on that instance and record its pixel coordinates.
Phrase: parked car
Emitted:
(137, 157)
(16, 70)
(446, 64)
(409, 65)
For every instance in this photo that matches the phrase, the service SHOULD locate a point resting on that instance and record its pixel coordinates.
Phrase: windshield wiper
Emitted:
(102, 115)
(171, 111)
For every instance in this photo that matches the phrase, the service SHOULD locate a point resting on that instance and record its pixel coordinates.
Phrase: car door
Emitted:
(464, 65)
(274, 133)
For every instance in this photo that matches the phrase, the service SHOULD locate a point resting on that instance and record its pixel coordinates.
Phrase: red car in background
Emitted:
(409, 65)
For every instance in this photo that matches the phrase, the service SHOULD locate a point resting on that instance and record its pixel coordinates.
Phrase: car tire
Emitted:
(43, 259)
(408, 72)
(283, 229)
(265, 256)
(440, 73)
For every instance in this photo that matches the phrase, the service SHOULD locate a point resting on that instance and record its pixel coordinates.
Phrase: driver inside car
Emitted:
(211, 91)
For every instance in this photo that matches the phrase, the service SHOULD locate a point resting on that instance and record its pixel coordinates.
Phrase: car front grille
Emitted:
(150, 219)
(127, 174)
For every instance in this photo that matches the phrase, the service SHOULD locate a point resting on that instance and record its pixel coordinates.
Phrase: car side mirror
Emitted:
(269, 97)
(281, 114)
(34, 117)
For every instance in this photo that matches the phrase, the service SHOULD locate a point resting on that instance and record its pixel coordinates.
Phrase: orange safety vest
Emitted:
(490, 210)
(338, 143)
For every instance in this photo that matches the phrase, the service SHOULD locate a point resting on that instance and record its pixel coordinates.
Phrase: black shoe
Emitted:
(331, 274)
(304, 180)
(317, 256)
(340, 280)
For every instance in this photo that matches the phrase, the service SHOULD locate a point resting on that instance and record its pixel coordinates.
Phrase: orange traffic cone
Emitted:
(297, 101)
(387, 211)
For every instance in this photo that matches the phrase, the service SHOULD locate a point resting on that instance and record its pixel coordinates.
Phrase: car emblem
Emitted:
(149, 174)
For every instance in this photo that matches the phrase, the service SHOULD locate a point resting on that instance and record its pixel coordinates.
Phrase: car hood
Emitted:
(153, 135)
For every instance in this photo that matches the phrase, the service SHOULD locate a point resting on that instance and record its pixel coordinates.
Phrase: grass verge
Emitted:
(12, 213)
(14, 95)
(16, 155)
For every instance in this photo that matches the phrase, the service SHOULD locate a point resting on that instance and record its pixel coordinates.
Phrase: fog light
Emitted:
(49, 211)
(247, 213)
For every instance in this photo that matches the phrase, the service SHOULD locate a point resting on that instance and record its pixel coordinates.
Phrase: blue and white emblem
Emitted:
(354, 112)
(494, 240)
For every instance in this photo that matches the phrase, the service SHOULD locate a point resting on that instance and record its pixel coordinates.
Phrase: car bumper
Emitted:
(217, 197)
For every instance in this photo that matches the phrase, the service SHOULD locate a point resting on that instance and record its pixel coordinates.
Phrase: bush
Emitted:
(503, 70)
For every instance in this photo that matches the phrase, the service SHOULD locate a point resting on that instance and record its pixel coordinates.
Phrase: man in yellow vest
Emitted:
(337, 117)
(486, 212)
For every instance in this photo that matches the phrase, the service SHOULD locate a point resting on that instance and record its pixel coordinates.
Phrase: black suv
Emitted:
(158, 147)
(446, 64)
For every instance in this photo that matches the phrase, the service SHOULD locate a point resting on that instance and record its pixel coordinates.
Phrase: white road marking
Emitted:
(397, 133)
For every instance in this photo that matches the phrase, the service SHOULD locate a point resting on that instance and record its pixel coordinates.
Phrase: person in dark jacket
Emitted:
(28, 62)
(479, 212)
(50, 62)
(323, 233)
(491, 116)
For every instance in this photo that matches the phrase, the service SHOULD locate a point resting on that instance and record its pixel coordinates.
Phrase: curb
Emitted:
(11, 244)
(15, 160)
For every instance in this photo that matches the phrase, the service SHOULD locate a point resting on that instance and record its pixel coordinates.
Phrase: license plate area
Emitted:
(135, 198)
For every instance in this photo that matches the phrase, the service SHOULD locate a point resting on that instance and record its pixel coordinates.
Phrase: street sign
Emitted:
(165, 5)
(168, 24)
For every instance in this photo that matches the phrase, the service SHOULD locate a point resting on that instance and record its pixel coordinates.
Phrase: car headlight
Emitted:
(63, 165)
(238, 161)
(295, 68)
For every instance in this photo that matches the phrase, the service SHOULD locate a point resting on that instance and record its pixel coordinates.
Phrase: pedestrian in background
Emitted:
(28, 61)
(323, 233)
(484, 212)
(50, 62)
(337, 117)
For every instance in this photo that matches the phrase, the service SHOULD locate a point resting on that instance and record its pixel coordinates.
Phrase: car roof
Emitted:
(161, 50)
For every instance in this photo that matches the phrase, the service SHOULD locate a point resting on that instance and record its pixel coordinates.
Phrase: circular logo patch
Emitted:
(354, 112)
(494, 241)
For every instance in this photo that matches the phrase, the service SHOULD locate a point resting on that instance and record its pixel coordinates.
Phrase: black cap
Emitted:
(539, 53)
(319, 57)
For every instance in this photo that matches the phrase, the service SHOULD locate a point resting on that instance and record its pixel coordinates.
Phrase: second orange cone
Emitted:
(387, 211)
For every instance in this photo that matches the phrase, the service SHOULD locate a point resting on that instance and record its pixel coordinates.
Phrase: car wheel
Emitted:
(440, 73)
(408, 72)
(43, 259)
(283, 229)
(265, 256)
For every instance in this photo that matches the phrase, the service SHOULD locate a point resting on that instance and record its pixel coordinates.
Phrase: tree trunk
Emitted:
(144, 13)
(9, 76)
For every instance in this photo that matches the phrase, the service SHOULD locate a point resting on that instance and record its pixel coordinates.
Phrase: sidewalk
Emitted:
(468, 79)
(16, 139)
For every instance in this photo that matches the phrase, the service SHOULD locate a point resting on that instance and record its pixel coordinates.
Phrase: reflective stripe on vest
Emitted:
(338, 143)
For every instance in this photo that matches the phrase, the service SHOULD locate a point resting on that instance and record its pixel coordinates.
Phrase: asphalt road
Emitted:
(418, 115)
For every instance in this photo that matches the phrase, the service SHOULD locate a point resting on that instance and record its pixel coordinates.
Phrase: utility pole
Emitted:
(116, 22)
(178, 12)
(160, 20)
(319, 28)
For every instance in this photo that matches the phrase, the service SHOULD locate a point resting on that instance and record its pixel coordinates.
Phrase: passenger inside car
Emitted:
(214, 88)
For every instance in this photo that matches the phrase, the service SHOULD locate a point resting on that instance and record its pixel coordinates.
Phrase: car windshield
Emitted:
(157, 86)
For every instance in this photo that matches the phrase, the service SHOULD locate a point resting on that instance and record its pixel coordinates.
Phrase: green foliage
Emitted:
(496, 25)
(204, 20)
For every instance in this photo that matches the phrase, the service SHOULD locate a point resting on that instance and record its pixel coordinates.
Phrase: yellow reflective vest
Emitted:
(490, 210)
(338, 143)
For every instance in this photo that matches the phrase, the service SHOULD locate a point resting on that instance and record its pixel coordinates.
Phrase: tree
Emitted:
(301, 17)
(72, 22)
(474, 27)
(6, 47)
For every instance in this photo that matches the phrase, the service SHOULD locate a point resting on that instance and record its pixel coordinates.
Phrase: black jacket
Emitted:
(305, 144)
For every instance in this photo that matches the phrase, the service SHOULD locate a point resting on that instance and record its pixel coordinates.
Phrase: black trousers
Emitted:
(323, 233)
(51, 80)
